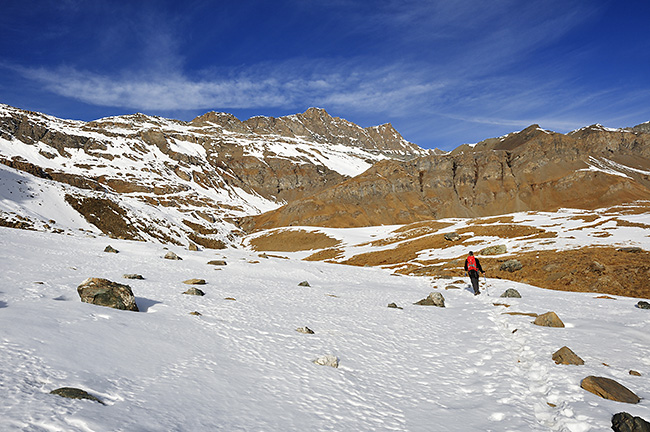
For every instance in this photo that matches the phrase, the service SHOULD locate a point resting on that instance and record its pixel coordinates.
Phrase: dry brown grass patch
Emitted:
(325, 254)
(293, 241)
(505, 231)
(404, 252)
(410, 231)
(495, 220)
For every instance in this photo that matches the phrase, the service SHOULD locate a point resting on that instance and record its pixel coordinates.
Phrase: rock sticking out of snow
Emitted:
(626, 422)
(194, 291)
(133, 276)
(193, 247)
(327, 360)
(433, 299)
(609, 389)
(643, 305)
(75, 393)
(304, 284)
(172, 256)
(103, 292)
(511, 293)
(195, 281)
(549, 319)
(217, 262)
(110, 249)
(394, 306)
(635, 373)
(567, 357)
(305, 330)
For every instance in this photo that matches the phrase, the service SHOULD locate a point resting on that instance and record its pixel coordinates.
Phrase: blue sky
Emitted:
(443, 73)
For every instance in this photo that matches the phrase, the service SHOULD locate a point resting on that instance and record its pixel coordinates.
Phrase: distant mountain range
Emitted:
(204, 181)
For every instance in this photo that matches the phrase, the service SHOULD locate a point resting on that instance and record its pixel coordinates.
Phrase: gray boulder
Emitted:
(626, 422)
(194, 291)
(304, 284)
(305, 330)
(433, 299)
(75, 393)
(172, 256)
(643, 305)
(110, 249)
(195, 281)
(511, 293)
(103, 292)
(218, 262)
(394, 306)
(630, 249)
(133, 276)
(512, 265)
(493, 250)
(453, 236)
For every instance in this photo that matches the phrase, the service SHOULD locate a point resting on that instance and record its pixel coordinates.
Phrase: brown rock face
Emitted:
(530, 170)
(609, 389)
(549, 319)
(567, 357)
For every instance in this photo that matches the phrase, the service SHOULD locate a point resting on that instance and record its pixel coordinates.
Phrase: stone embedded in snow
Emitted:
(643, 305)
(110, 249)
(327, 360)
(305, 330)
(194, 291)
(567, 357)
(195, 281)
(103, 292)
(193, 247)
(549, 319)
(511, 293)
(304, 284)
(493, 250)
(133, 276)
(512, 265)
(75, 393)
(172, 256)
(433, 299)
(230, 298)
(448, 287)
(635, 373)
(609, 389)
(218, 262)
(196, 313)
(452, 236)
(394, 306)
(626, 422)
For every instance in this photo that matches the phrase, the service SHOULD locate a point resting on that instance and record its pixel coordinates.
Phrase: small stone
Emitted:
(452, 236)
(194, 291)
(304, 284)
(609, 389)
(567, 357)
(172, 256)
(193, 247)
(195, 282)
(511, 266)
(195, 313)
(626, 422)
(643, 305)
(511, 293)
(549, 319)
(327, 360)
(133, 276)
(635, 373)
(305, 330)
(630, 249)
(75, 393)
(217, 262)
(394, 306)
(433, 299)
(596, 267)
(448, 287)
(110, 249)
(230, 298)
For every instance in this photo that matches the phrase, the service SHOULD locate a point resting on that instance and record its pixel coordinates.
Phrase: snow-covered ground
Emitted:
(241, 366)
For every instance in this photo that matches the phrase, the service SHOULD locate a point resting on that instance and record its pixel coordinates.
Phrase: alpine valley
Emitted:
(361, 218)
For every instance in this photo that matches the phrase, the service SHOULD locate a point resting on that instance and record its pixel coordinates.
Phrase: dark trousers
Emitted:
(473, 277)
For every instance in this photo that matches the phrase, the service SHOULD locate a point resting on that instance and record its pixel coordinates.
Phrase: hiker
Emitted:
(472, 267)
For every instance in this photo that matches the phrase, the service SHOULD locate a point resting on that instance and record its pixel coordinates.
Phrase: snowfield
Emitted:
(242, 366)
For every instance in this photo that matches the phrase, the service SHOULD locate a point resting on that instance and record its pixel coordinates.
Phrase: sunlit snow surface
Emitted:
(241, 366)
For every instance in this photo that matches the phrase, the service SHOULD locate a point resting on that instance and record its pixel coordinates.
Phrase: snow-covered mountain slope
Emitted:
(242, 366)
(605, 250)
(192, 178)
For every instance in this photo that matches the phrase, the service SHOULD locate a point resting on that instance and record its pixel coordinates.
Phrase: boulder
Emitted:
(630, 249)
(218, 262)
(549, 319)
(133, 276)
(493, 250)
(110, 249)
(453, 236)
(626, 422)
(327, 360)
(196, 313)
(609, 389)
(634, 373)
(75, 393)
(511, 293)
(512, 265)
(172, 256)
(394, 306)
(643, 305)
(567, 357)
(433, 299)
(305, 330)
(195, 282)
(194, 291)
(103, 292)
(304, 284)
(193, 247)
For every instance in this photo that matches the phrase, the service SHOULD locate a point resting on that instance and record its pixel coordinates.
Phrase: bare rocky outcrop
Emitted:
(103, 292)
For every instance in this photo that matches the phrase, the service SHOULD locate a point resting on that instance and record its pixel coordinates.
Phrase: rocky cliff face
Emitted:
(191, 177)
(530, 170)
